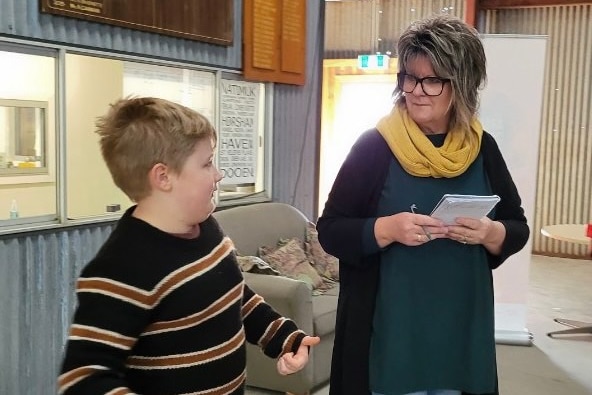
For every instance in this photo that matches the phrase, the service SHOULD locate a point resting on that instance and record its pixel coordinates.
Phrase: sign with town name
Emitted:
(238, 142)
(204, 20)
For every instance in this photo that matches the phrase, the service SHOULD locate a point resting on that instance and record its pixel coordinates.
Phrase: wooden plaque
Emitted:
(203, 20)
(274, 41)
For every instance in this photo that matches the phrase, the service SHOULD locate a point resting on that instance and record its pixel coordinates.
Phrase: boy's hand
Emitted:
(291, 363)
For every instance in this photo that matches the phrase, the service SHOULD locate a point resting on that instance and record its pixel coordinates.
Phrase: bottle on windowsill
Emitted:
(14, 210)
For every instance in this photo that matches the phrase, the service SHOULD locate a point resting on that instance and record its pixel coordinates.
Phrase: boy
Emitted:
(163, 308)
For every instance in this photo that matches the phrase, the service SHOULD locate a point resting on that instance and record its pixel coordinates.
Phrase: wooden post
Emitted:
(471, 9)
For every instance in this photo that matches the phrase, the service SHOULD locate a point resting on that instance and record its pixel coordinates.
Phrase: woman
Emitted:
(416, 306)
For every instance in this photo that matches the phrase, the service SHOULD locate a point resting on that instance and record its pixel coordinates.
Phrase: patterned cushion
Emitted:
(289, 258)
(254, 264)
(326, 265)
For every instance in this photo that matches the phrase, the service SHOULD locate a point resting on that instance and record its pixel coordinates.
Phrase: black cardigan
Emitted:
(352, 200)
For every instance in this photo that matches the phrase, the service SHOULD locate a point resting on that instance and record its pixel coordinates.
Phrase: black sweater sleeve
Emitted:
(353, 198)
(509, 210)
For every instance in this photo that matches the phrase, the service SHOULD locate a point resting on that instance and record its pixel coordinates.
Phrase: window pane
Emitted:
(28, 191)
(92, 84)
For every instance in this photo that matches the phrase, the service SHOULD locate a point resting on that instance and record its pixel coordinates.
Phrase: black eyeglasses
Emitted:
(431, 86)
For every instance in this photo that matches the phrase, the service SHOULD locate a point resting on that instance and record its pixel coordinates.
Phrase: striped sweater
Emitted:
(158, 314)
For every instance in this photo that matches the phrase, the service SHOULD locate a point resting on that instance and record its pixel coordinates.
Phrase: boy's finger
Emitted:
(310, 340)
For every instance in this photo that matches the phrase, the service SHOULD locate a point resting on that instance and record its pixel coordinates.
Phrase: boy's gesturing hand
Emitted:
(291, 363)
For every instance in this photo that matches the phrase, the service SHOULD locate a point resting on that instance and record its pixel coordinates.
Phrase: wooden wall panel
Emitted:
(204, 20)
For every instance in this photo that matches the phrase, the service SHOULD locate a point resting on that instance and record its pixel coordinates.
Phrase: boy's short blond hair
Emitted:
(137, 133)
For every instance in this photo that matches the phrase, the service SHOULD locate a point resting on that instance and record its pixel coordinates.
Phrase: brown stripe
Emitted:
(220, 305)
(96, 335)
(187, 359)
(248, 307)
(89, 285)
(220, 252)
(270, 333)
(289, 343)
(227, 388)
(75, 375)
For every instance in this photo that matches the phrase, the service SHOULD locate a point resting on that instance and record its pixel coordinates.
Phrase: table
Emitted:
(572, 233)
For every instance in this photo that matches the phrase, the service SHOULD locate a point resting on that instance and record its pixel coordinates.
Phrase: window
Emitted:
(92, 83)
(31, 187)
(28, 187)
(23, 135)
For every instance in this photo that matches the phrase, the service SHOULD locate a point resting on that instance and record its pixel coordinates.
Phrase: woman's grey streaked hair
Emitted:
(455, 52)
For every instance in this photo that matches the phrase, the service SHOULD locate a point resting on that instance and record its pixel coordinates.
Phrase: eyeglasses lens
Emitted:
(432, 86)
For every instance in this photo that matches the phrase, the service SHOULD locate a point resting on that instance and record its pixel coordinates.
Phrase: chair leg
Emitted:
(584, 329)
(578, 327)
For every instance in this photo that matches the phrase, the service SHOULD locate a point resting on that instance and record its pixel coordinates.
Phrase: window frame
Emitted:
(59, 53)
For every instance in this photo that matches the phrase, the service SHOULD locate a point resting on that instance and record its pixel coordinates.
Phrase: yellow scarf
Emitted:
(417, 154)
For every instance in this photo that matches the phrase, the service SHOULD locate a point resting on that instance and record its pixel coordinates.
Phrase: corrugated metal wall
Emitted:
(38, 269)
(37, 276)
(363, 27)
(564, 179)
(297, 125)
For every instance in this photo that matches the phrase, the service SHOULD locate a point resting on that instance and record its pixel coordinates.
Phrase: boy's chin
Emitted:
(206, 214)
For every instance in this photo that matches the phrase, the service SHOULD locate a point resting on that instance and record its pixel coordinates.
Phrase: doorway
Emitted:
(353, 102)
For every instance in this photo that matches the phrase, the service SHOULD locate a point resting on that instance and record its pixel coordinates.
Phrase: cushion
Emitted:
(254, 264)
(326, 265)
(289, 258)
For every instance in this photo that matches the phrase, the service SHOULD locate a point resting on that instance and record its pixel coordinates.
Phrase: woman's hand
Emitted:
(408, 228)
(490, 234)
(292, 362)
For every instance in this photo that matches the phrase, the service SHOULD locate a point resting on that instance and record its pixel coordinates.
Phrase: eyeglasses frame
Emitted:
(402, 75)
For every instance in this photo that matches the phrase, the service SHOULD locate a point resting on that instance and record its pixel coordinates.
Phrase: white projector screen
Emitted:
(511, 109)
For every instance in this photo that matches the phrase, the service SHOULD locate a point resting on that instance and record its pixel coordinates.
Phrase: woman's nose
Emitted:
(418, 89)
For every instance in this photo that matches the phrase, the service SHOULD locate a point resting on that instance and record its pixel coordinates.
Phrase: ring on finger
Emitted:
(464, 240)
(419, 238)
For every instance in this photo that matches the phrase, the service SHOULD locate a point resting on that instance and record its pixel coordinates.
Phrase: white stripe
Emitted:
(216, 313)
(113, 391)
(155, 290)
(94, 340)
(102, 331)
(197, 353)
(64, 388)
(282, 320)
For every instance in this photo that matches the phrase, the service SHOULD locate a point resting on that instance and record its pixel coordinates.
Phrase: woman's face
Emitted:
(431, 113)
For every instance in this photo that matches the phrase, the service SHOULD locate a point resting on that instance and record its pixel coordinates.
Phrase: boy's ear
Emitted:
(159, 177)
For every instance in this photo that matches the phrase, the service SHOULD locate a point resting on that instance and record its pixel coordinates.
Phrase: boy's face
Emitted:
(195, 185)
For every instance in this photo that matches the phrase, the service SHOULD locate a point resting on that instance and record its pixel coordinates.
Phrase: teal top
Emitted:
(433, 325)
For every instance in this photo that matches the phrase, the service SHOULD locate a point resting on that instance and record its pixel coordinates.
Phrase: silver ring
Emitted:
(419, 238)
(464, 240)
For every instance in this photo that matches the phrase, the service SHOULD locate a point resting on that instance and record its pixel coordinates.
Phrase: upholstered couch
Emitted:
(256, 225)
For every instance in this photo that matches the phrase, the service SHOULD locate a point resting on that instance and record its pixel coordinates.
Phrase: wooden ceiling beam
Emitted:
(499, 4)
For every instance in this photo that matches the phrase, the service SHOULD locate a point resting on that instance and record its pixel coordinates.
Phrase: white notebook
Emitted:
(453, 206)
